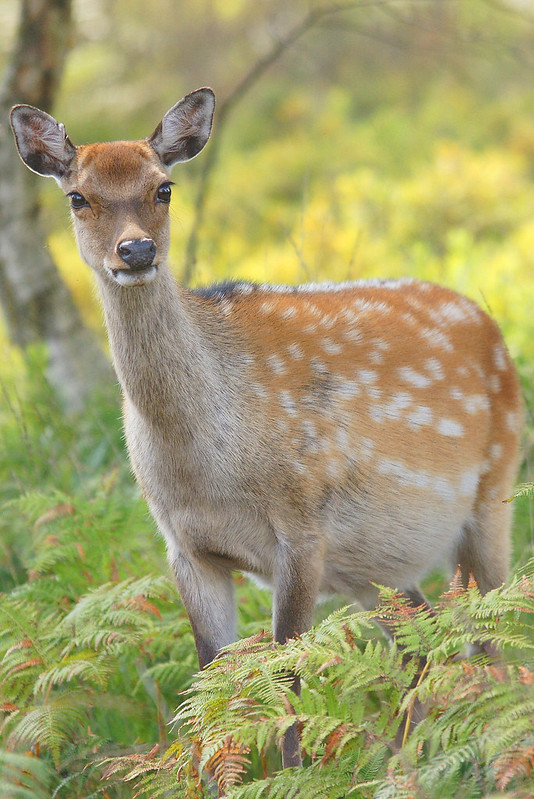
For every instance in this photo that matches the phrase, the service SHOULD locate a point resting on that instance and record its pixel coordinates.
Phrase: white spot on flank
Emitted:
(450, 427)
(366, 448)
(404, 475)
(309, 429)
(496, 451)
(349, 316)
(494, 384)
(436, 338)
(456, 393)
(295, 351)
(371, 305)
(352, 334)
(412, 377)
(333, 468)
(331, 347)
(367, 376)
(398, 403)
(318, 365)
(342, 440)
(348, 389)
(435, 368)
(373, 393)
(444, 488)
(422, 415)
(376, 357)
(475, 403)
(499, 358)
(393, 409)
(267, 307)
(512, 421)
(226, 307)
(410, 318)
(381, 344)
(289, 312)
(276, 364)
(287, 402)
(469, 482)
(327, 321)
(449, 312)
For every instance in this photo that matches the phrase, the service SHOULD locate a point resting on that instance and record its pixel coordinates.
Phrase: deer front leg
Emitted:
(296, 588)
(207, 592)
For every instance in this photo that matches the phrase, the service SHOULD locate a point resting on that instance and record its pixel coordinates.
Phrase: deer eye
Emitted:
(77, 200)
(163, 194)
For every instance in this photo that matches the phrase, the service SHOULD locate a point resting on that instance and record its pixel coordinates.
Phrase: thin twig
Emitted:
(226, 107)
(409, 712)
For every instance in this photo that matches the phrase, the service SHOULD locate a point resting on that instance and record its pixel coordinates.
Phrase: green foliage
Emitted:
(23, 776)
(93, 649)
(359, 701)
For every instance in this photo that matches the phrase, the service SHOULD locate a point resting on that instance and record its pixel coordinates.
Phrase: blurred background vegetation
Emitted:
(352, 140)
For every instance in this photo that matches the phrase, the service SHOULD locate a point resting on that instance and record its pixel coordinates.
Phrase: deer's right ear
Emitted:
(42, 142)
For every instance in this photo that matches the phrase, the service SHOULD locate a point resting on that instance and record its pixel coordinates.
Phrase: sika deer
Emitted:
(323, 437)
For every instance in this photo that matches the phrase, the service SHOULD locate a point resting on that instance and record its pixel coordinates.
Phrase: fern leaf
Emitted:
(512, 764)
(23, 776)
(50, 725)
(228, 763)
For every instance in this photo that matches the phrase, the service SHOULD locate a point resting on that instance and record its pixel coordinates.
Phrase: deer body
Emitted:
(321, 437)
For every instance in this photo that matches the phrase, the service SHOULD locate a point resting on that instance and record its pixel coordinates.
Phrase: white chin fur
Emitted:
(128, 278)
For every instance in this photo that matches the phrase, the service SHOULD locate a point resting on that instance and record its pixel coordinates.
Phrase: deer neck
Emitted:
(164, 361)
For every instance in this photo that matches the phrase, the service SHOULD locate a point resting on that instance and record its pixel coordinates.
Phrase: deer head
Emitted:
(119, 191)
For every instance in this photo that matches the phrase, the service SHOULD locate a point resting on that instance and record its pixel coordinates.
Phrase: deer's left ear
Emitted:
(185, 129)
(42, 142)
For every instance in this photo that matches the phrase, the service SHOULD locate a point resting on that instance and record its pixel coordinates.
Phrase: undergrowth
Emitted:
(98, 692)
(358, 704)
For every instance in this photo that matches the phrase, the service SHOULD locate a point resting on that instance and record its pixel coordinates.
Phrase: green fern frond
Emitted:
(314, 781)
(116, 614)
(23, 776)
(51, 724)
(522, 490)
(84, 666)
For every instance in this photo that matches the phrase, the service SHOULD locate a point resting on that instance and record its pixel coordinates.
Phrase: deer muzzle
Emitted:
(137, 253)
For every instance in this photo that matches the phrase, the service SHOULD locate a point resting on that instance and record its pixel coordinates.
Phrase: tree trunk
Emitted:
(36, 303)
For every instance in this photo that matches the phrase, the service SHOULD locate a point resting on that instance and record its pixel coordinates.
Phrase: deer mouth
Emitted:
(134, 277)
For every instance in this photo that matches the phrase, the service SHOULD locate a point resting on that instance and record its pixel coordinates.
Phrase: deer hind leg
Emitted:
(483, 550)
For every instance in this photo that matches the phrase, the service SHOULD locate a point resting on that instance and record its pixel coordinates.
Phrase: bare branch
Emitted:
(312, 18)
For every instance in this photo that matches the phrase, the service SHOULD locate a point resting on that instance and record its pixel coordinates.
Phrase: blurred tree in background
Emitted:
(36, 303)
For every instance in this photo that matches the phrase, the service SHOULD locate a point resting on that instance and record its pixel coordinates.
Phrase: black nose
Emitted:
(137, 253)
